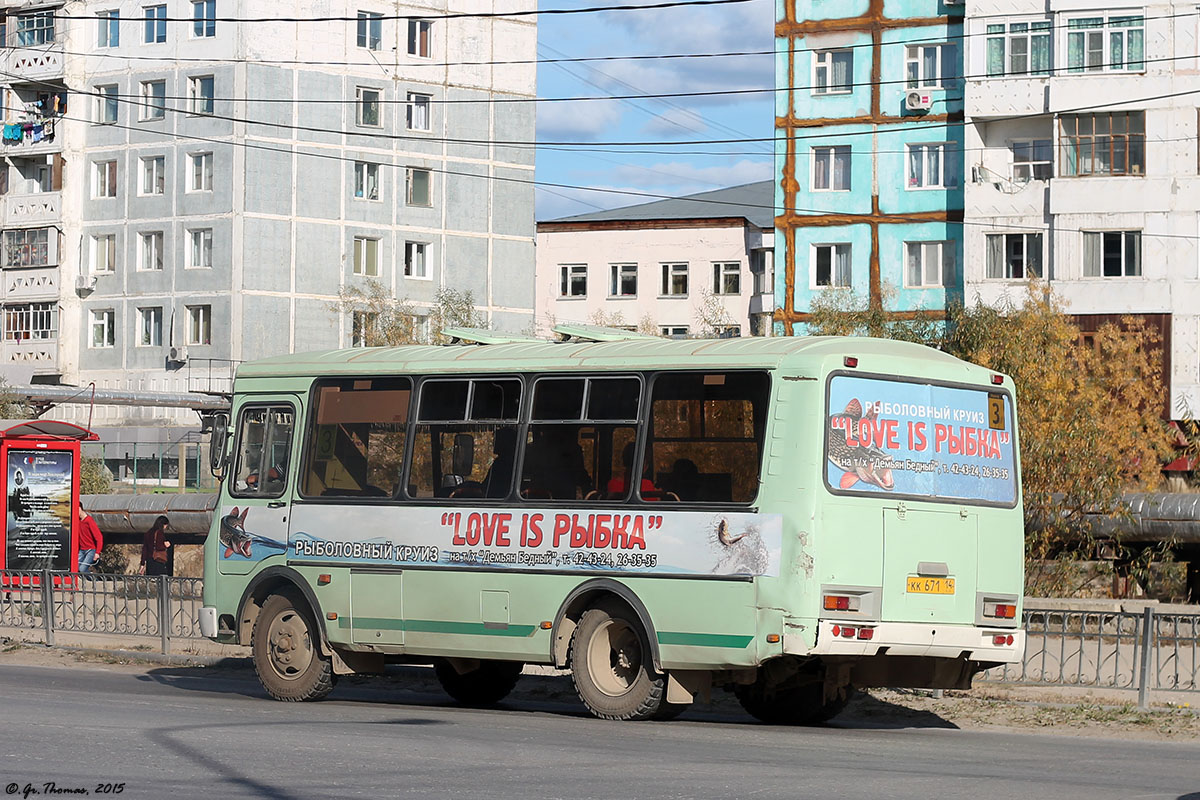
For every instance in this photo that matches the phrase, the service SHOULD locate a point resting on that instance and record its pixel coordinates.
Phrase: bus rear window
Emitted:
(357, 444)
(706, 437)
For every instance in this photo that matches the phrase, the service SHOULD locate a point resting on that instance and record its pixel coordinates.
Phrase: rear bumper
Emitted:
(914, 639)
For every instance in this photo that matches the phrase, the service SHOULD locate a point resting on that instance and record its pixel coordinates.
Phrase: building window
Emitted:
(204, 19)
(1096, 44)
(154, 179)
(106, 105)
(104, 179)
(414, 260)
(29, 321)
(200, 256)
(27, 247)
(370, 30)
(623, 281)
(36, 28)
(1019, 48)
(154, 100)
(675, 280)
(156, 25)
(151, 251)
(831, 169)
(418, 37)
(366, 180)
(572, 280)
(930, 66)
(1104, 143)
(108, 32)
(104, 253)
(367, 107)
(150, 327)
(1032, 160)
(1014, 255)
(833, 71)
(930, 168)
(362, 325)
(418, 111)
(929, 264)
(199, 325)
(200, 94)
(1112, 254)
(419, 192)
(762, 277)
(674, 331)
(366, 256)
(831, 265)
(104, 329)
(727, 278)
(201, 179)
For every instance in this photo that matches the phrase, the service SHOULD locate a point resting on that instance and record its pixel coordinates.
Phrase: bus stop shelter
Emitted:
(39, 471)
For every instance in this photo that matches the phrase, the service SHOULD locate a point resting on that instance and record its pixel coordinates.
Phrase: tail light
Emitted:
(840, 602)
(1001, 639)
(1000, 610)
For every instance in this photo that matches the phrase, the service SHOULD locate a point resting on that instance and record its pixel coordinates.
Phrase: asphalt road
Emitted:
(180, 733)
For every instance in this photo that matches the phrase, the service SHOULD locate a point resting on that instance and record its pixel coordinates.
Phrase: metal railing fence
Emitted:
(124, 605)
(1147, 651)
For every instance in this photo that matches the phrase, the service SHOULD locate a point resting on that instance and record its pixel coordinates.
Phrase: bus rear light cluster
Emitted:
(997, 380)
(1000, 639)
(850, 632)
(840, 602)
(1000, 610)
(850, 361)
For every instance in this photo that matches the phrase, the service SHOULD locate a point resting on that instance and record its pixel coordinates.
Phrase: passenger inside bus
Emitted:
(617, 485)
(554, 465)
(499, 476)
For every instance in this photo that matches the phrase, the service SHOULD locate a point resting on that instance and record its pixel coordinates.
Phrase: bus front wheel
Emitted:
(612, 668)
(486, 685)
(287, 656)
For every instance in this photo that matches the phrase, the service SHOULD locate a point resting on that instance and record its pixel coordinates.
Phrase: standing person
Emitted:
(155, 558)
(91, 541)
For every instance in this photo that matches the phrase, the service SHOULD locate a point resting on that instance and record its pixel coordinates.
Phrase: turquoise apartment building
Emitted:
(869, 154)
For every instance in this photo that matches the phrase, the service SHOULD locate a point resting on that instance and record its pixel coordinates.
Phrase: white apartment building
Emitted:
(1081, 144)
(689, 266)
(183, 193)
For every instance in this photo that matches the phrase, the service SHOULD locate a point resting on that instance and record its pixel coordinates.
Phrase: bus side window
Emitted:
(706, 435)
(356, 447)
(263, 447)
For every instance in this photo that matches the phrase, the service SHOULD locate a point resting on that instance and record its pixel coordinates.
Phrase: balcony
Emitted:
(33, 64)
(991, 195)
(762, 303)
(31, 283)
(1007, 97)
(33, 210)
(41, 354)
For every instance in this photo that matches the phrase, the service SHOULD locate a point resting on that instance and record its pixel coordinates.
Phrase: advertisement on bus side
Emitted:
(572, 540)
(893, 437)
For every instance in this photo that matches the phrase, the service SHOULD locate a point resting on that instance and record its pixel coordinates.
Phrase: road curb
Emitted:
(174, 659)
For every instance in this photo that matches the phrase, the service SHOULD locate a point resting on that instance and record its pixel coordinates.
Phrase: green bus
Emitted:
(785, 518)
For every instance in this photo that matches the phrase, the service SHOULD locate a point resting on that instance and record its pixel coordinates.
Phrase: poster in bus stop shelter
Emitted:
(38, 524)
(893, 437)
(640, 541)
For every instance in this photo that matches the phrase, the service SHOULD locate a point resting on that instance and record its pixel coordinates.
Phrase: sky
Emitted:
(672, 171)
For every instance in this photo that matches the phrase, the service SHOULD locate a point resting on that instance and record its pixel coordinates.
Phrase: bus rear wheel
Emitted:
(287, 655)
(612, 668)
(486, 685)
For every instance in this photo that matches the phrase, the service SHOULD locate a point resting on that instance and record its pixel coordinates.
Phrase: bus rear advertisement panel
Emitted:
(888, 436)
(642, 542)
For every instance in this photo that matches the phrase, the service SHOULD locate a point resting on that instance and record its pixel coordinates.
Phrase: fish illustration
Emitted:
(725, 537)
(857, 462)
(744, 553)
(233, 533)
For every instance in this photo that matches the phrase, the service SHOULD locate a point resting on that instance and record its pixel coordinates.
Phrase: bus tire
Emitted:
(287, 654)
(612, 669)
(485, 686)
(803, 705)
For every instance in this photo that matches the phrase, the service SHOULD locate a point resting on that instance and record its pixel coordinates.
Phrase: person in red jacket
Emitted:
(91, 541)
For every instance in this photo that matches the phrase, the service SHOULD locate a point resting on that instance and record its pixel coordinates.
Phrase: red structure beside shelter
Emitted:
(39, 475)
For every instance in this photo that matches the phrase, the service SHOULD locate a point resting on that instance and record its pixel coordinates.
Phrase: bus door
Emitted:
(929, 564)
(256, 504)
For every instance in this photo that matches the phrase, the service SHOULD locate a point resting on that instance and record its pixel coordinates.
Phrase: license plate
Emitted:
(919, 585)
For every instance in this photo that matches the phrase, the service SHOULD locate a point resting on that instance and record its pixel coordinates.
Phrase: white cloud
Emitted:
(577, 120)
(681, 177)
(675, 123)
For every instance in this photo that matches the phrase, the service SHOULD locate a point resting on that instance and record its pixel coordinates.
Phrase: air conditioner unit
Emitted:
(85, 283)
(918, 101)
(178, 355)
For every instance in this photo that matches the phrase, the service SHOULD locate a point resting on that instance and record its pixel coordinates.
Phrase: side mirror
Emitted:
(216, 445)
(464, 454)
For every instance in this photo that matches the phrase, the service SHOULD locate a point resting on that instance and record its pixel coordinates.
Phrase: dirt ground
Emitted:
(1075, 712)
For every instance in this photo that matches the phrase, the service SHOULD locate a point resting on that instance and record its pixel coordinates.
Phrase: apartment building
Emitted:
(183, 192)
(1081, 151)
(699, 265)
(869, 157)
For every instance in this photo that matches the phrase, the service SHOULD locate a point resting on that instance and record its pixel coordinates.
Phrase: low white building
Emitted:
(1081, 144)
(699, 265)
